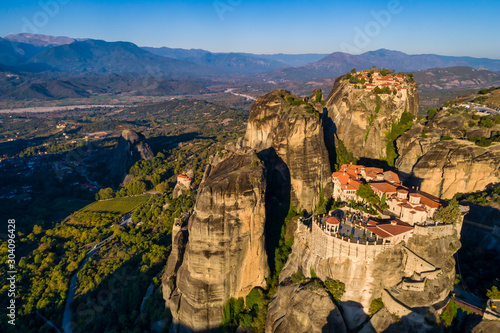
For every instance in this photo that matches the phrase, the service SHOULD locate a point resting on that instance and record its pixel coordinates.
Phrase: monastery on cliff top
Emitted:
(408, 205)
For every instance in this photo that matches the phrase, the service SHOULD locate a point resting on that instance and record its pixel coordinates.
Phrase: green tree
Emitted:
(162, 187)
(253, 298)
(298, 277)
(232, 310)
(105, 193)
(383, 204)
(431, 113)
(449, 214)
(318, 96)
(365, 191)
(37, 229)
(375, 306)
(494, 293)
(343, 156)
(335, 287)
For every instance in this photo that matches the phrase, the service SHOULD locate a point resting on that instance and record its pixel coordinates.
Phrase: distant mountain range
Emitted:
(237, 63)
(226, 63)
(38, 67)
(455, 78)
(100, 57)
(339, 63)
(29, 52)
(42, 40)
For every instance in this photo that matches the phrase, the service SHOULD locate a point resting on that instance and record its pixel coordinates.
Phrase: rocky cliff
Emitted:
(221, 254)
(132, 146)
(362, 117)
(439, 156)
(385, 275)
(293, 129)
(304, 308)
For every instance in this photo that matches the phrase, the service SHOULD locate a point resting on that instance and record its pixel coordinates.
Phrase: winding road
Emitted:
(66, 324)
(231, 91)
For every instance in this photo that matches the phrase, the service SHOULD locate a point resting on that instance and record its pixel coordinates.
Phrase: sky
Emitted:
(445, 27)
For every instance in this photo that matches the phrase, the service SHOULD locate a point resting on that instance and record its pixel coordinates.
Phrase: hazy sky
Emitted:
(445, 27)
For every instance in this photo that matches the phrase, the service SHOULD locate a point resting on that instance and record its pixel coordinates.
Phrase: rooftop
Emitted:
(332, 220)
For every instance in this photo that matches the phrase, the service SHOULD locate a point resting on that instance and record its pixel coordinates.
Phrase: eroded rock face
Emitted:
(446, 167)
(225, 254)
(303, 308)
(295, 133)
(452, 167)
(138, 142)
(132, 146)
(362, 118)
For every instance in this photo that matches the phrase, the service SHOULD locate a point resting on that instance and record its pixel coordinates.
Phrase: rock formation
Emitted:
(132, 146)
(444, 167)
(224, 255)
(136, 143)
(428, 256)
(362, 118)
(282, 122)
(303, 308)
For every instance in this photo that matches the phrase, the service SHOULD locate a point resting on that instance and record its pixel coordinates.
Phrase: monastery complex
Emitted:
(410, 206)
(353, 233)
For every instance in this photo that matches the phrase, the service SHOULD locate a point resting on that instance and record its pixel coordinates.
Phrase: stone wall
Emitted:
(415, 264)
(326, 245)
(413, 285)
(443, 230)
(394, 306)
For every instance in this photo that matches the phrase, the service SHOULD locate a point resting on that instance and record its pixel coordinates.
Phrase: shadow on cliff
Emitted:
(329, 131)
(277, 199)
(330, 138)
(160, 143)
(419, 320)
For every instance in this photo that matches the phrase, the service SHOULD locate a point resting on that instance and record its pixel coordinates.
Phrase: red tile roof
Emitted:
(349, 176)
(332, 220)
(183, 176)
(386, 230)
(351, 185)
(428, 202)
(378, 232)
(392, 177)
(383, 187)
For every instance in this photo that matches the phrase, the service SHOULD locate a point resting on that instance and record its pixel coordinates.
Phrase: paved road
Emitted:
(248, 97)
(486, 110)
(74, 284)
